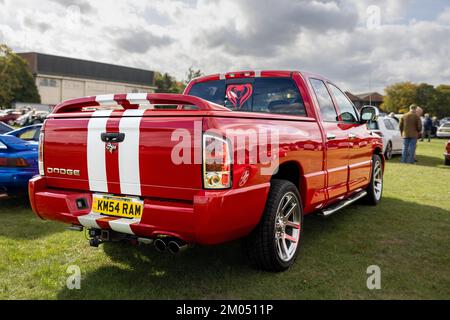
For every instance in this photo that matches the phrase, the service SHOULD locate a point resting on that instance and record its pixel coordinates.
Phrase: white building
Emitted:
(60, 78)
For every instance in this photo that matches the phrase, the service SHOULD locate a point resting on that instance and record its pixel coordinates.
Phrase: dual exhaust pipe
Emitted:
(174, 246)
(97, 237)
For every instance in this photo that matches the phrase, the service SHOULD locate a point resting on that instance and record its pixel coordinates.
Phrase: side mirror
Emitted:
(369, 113)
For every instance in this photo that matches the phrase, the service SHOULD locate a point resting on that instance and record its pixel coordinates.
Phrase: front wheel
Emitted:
(375, 188)
(274, 244)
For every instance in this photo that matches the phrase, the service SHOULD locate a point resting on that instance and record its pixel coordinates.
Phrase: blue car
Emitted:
(4, 128)
(30, 133)
(18, 164)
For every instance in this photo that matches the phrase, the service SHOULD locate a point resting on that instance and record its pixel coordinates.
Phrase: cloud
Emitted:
(34, 24)
(269, 25)
(140, 41)
(85, 6)
(323, 36)
(444, 17)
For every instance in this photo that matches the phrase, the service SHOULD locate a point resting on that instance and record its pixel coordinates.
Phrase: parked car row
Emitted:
(23, 117)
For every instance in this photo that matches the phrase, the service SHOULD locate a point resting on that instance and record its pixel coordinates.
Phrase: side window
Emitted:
(373, 125)
(28, 135)
(347, 112)
(326, 105)
(388, 124)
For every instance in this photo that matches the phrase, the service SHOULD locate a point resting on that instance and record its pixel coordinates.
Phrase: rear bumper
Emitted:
(212, 217)
(15, 181)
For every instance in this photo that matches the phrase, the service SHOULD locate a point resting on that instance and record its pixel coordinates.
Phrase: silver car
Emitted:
(444, 131)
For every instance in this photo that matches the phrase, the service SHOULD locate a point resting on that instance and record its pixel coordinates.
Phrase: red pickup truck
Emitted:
(239, 155)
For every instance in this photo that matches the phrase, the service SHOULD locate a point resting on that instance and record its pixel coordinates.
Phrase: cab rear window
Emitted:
(267, 95)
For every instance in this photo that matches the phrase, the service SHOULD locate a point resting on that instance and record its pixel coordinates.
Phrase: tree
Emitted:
(16, 81)
(167, 84)
(440, 105)
(399, 97)
(425, 95)
(192, 74)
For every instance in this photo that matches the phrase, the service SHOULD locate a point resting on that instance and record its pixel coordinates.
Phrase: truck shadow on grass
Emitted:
(223, 271)
(17, 220)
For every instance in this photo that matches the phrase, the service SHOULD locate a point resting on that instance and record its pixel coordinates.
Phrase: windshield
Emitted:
(267, 95)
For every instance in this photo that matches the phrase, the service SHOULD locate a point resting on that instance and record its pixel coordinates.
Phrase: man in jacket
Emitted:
(410, 127)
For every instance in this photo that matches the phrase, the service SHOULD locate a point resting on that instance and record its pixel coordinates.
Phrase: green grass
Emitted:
(407, 235)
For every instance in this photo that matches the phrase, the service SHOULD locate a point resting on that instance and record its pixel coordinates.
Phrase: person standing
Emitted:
(410, 127)
(435, 126)
(427, 128)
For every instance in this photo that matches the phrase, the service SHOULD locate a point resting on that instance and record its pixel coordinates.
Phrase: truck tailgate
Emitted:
(76, 157)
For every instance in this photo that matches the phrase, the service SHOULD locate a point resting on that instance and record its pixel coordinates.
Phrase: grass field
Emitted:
(407, 236)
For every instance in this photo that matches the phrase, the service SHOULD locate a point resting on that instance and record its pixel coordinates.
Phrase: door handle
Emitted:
(113, 137)
(331, 136)
(351, 136)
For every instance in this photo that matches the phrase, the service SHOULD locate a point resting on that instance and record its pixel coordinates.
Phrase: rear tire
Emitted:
(375, 188)
(274, 244)
(447, 162)
(388, 152)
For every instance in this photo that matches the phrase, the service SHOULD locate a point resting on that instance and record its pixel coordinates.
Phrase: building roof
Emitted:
(374, 96)
(68, 67)
(351, 96)
(364, 97)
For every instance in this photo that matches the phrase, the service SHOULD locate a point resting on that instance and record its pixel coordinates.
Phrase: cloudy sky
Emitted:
(360, 44)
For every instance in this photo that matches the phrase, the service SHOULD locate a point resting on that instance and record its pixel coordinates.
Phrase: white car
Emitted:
(388, 129)
(443, 131)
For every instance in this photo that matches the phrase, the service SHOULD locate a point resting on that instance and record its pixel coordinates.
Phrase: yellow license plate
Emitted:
(118, 207)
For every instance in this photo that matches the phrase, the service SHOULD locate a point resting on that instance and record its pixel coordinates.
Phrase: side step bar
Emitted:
(340, 205)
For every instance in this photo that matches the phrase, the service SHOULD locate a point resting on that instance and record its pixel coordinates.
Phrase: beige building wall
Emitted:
(54, 90)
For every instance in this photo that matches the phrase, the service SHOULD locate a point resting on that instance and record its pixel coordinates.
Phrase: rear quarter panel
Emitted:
(300, 142)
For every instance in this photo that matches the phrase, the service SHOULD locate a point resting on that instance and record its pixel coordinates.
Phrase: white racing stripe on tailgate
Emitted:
(123, 225)
(90, 220)
(96, 151)
(130, 179)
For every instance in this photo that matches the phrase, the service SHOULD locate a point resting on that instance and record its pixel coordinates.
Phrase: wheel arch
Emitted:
(379, 151)
(292, 171)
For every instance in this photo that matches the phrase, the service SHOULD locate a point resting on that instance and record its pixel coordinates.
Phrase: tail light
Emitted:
(41, 153)
(216, 162)
(13, 162)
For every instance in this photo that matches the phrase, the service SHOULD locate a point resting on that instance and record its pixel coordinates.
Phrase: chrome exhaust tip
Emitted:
(160, 245)
(175, 247)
